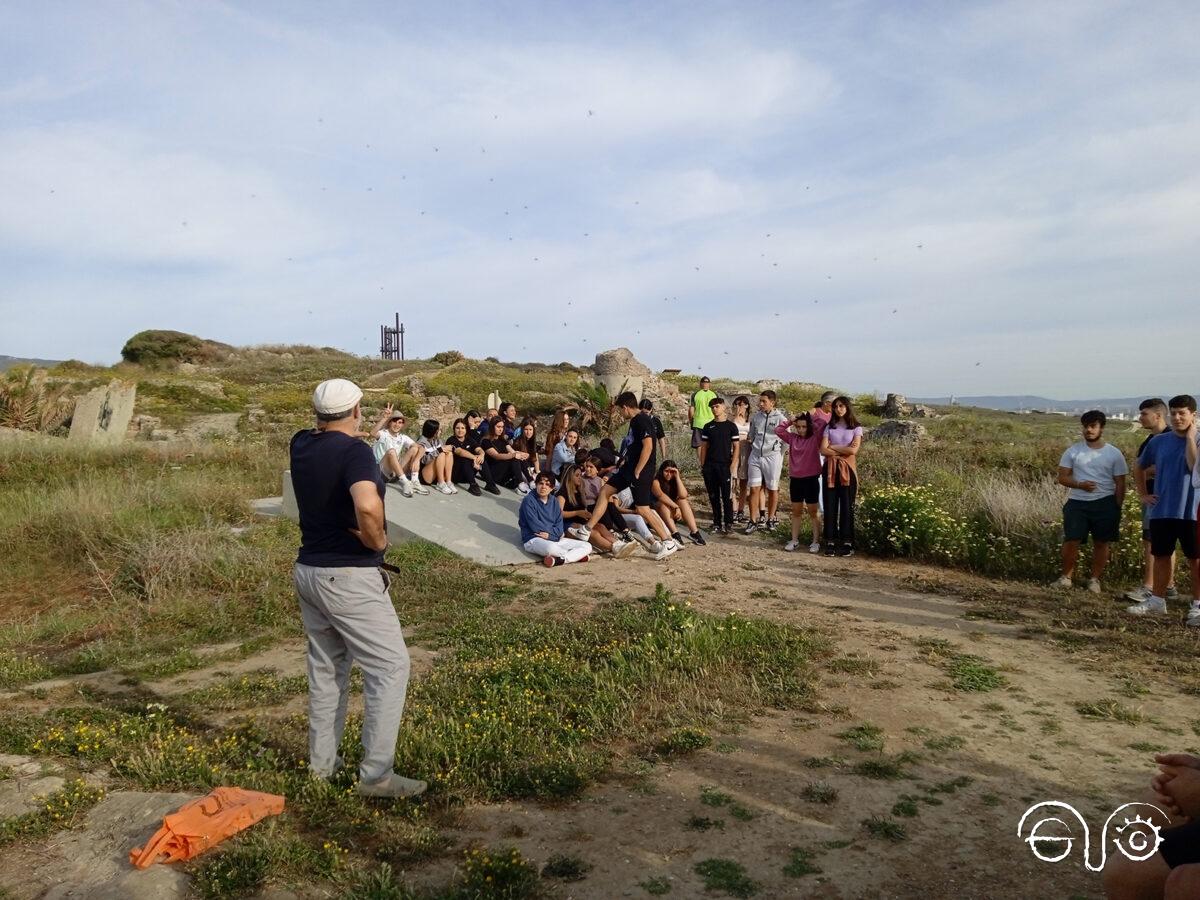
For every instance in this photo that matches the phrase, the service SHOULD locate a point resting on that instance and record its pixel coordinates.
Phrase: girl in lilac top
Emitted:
(839, 481)
(803, 436)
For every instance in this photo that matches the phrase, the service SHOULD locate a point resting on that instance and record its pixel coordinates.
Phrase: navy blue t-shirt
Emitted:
(324, 465)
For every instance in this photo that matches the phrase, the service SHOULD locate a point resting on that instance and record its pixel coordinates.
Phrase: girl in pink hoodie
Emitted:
(803, 438)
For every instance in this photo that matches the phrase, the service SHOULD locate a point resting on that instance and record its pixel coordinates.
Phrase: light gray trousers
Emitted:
(349, 618)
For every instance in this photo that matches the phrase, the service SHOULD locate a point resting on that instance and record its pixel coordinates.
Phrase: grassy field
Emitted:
(138, 563)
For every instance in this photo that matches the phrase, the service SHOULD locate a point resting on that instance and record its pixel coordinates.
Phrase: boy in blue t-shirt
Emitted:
(1172, 455)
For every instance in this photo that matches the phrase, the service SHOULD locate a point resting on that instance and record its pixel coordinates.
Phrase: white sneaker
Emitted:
(406, 487)
(394, 787)
(1063, 582)
(579, 532)
(446, 489)
(1153, 606)
(419, 488)
(622, 549)
(1193, 619)
(668, 547)
(814, 547)
(1138, 594)
(453, 489)
(648, 545)
(522, 488)
(791, 546)
(1094, 585)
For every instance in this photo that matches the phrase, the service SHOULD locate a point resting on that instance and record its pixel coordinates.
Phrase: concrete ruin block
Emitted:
(896, 406)
(103, 414)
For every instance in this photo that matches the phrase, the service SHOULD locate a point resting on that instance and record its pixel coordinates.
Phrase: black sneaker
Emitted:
(830, 550)
(846, 550)
(678, 538)
(492, 489)
(751, 527)
(474, 490)
(739, 517)
(697, 538)
(772, 524)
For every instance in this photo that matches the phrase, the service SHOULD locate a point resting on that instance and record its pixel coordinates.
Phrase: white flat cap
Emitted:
(336, 395)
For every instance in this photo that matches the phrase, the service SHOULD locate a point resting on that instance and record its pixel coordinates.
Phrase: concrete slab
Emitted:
(482, 529)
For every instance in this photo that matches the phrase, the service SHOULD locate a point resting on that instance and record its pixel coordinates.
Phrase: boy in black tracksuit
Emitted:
(719, 447)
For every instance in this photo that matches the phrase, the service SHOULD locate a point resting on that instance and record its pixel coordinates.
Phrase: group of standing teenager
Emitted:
(742, 456)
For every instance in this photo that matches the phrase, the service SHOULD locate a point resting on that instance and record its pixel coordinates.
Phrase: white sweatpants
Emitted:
(565, 548)
(637, 524)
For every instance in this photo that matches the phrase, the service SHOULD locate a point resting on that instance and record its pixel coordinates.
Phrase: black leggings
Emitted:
(506, 472)
(720, 498)
(463, 470)
(839, 510)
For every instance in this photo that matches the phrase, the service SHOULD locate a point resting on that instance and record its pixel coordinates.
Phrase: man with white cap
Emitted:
(348, 614)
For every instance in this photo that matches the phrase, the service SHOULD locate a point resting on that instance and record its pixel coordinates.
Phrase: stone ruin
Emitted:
(102, 415)
(619, 367)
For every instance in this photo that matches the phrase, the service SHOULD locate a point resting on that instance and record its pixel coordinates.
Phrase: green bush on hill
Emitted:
(160, 347)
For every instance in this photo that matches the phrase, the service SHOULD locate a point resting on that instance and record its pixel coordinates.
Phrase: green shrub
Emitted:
(158, 347)
(447, 357)
(908, 520)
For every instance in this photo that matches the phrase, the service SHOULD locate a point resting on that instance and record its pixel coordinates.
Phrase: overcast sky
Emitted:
(933, 198)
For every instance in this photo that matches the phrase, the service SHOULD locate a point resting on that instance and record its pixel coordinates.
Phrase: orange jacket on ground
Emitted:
(201, 823)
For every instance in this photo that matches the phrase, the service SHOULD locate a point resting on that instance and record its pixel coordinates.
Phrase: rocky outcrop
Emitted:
(896, 406)
(899, 430)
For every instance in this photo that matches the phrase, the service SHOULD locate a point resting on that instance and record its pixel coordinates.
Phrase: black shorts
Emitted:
(1166, 533)
(805, 490)
(1181, 845)
(1099, 518)
(640, 487)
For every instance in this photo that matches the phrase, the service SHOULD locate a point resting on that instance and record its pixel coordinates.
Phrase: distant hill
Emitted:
(7, 362)
(1021, 402)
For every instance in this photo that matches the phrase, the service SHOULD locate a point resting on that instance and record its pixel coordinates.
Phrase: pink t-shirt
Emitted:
(804, 453)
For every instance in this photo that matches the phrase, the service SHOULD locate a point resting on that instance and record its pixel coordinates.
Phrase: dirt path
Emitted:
(1022, 743)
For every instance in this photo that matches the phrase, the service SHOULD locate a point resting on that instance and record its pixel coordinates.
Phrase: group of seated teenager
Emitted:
(599, 502)
(499, 452)
(610, 501)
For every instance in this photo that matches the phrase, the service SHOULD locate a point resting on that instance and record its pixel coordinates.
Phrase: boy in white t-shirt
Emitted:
(398, 455)
(1095, 472)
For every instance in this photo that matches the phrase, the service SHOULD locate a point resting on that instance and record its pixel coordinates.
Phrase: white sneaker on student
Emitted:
(622, 549)
(791, 546)
(1193, 619)
(1094, 585)
(1063, 582)
(579, 532)
(419, 488)
(406, 487)
(648, 545)
(814, 547)
(453, 489)
(668, 547)
(445, 488)
(522, 488)
(1153, 606)
(1138, 594)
